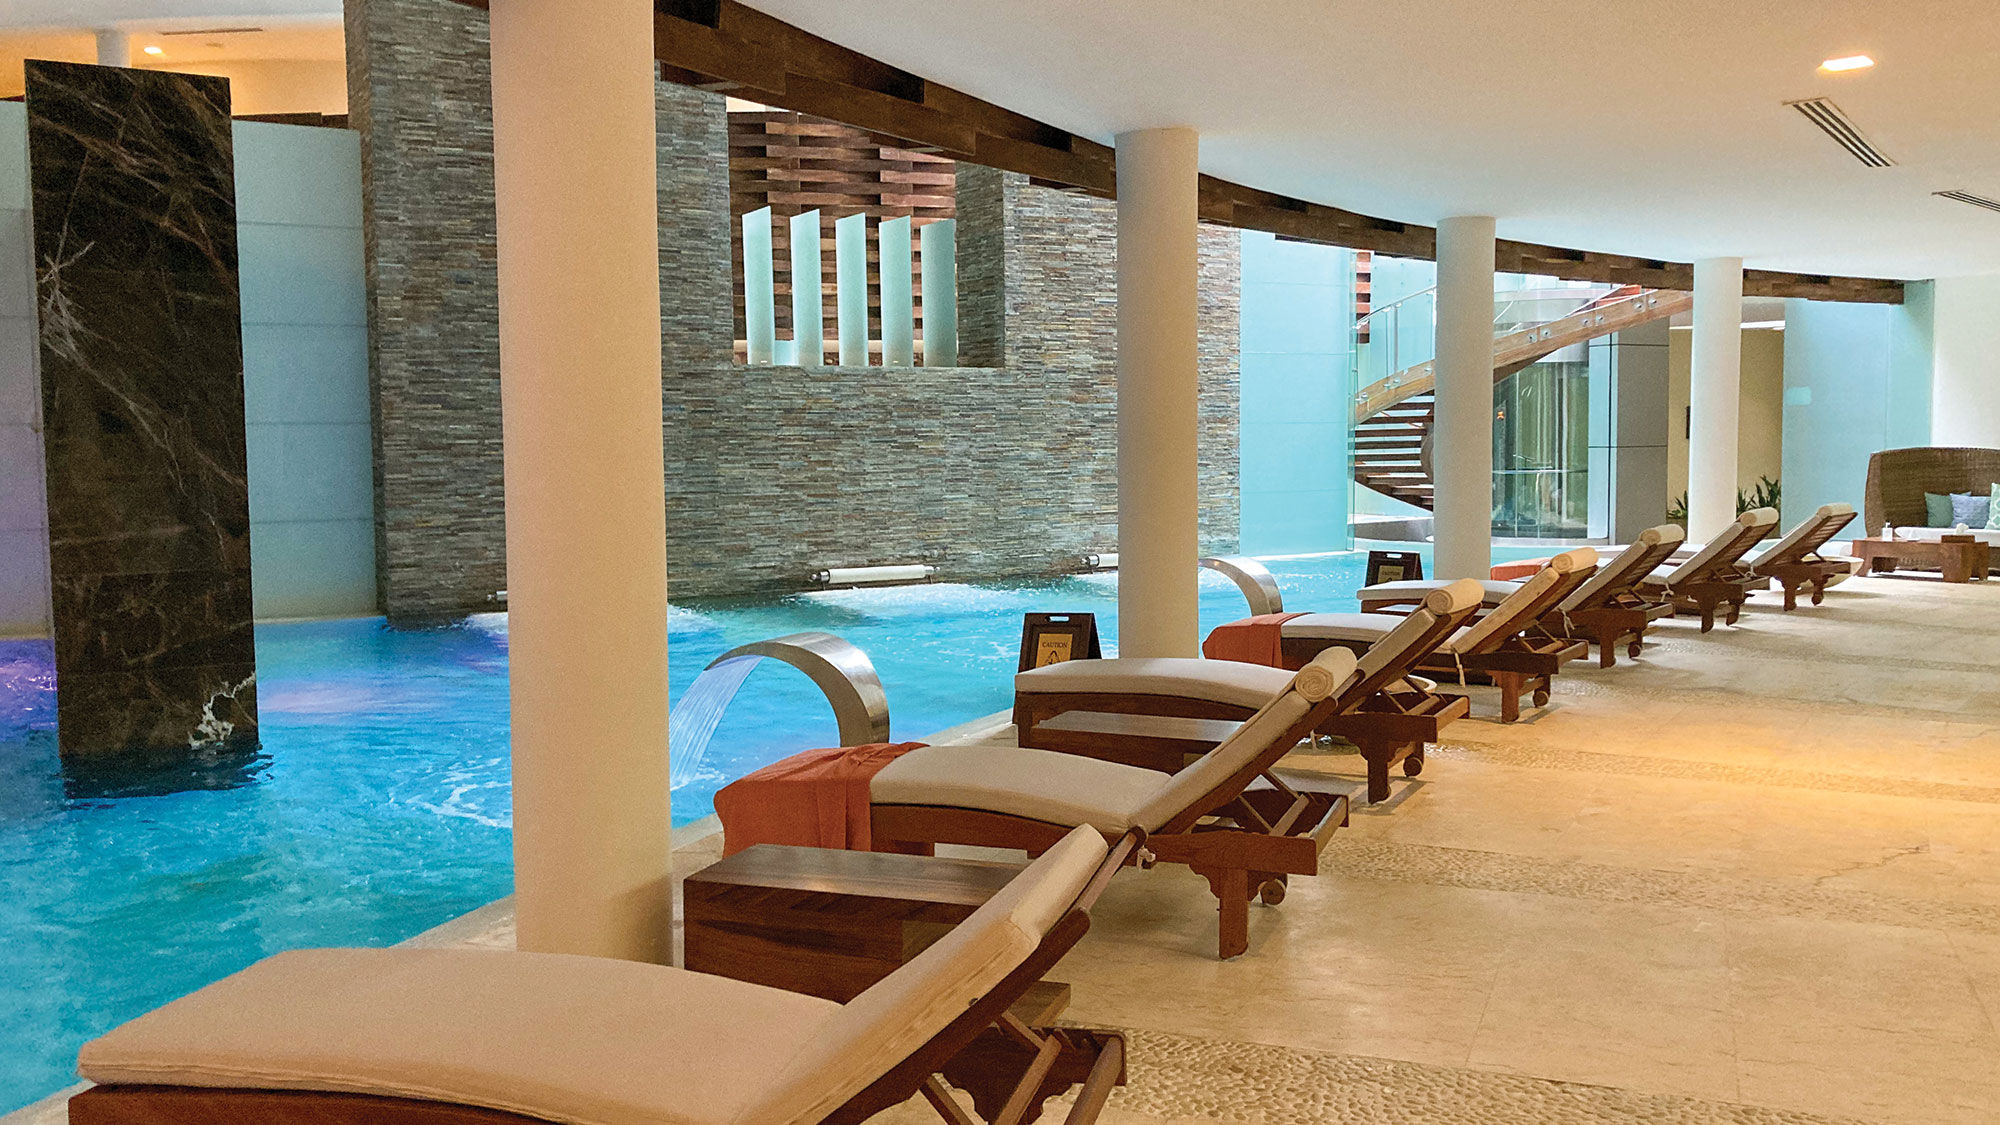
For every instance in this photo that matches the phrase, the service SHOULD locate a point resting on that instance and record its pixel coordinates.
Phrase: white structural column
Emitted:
(578, 219)
(114, 47)
(1462, 443)
(1714, 395)
(1158, 394)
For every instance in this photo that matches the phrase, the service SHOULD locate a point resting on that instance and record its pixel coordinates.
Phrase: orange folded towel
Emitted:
(1253, 640)
(813, 799)
(1515, 571)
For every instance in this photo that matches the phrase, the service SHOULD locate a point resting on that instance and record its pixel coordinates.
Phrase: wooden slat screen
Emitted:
(793, 163)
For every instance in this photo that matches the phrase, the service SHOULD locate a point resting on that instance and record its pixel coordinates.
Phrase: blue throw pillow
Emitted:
(1937, 510)
(1971, 509)
(1993, 520)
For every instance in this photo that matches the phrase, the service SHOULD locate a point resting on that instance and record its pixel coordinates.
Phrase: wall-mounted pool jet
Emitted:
(142, 402)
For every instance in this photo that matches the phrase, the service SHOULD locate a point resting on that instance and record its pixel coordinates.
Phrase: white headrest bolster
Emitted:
(1455, 598)
(1326, 674)
(1574, 560)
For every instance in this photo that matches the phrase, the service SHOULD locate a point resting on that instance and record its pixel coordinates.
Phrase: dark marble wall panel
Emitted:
(142, 404)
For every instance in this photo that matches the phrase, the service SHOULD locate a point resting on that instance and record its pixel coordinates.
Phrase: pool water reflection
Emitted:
(380, 805)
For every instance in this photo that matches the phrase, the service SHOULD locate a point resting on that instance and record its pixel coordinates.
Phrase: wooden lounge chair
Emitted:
(1604, 610)
(1229, 815)
(483, 1037)
(1507, 648)
(1795, 563)
(1385, 712)
(1714, 578)
(1610, 608)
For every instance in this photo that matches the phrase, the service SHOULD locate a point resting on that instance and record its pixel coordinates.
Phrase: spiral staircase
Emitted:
(1394, 415)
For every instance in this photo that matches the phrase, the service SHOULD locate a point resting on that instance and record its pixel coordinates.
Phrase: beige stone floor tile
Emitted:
(1343, 965)
(1629, 996)
(1677, 824)
(1652, 1048)
(1866, 1093)
(1879, 998)
(1980, 954)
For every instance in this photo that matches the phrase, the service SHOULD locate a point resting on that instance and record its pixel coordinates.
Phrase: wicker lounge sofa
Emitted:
(1898, 479)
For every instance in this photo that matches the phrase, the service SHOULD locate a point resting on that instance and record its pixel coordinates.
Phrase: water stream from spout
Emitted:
(693, 720)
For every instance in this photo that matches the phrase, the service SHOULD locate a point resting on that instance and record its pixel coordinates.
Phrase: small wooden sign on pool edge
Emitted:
(1394, 566)
(1051, 638)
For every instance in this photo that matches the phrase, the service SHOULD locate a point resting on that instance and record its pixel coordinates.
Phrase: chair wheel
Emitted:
(1271, 892)
(1413, 765)
(1542, 698)
(1632, 650)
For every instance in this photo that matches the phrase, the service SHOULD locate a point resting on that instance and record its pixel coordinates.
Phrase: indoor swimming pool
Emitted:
(380, 806)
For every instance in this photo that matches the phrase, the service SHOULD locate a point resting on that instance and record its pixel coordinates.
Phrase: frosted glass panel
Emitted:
(760, 315)
(808, 280)
(940, 263)
(850, 273)
(898, 311)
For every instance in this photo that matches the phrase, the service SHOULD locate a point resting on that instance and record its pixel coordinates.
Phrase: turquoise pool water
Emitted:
(380, 805)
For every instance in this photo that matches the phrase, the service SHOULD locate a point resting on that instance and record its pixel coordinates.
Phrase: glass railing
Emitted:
(1540, 455)
(1402, 335)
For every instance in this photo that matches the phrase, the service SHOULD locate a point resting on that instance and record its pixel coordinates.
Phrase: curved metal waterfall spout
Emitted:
(1259, 588)
(844, 674)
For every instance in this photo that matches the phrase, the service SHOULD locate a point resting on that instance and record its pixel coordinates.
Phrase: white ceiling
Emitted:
(156, 13)
(1653, 129)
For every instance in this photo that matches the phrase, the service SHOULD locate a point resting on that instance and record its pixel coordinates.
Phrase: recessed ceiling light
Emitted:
(156, 50)
(1847, 62)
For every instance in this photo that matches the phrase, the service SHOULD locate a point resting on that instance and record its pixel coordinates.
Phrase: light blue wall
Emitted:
(1911, 367)
(1857, 380)
(24, 528)
(305, 335)
(305, 371)
(1298, 302)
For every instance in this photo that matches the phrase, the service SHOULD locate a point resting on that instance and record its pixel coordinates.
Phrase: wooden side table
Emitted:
(830, 923)
(1961, 558)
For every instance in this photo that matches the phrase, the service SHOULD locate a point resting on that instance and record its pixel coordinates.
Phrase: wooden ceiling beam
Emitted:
(723, 45)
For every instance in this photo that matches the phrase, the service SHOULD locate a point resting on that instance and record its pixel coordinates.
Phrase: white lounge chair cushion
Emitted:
(1811, 525)
(1361, 628)
(1254, 737)
(579, 1039)
(1394, 647)
(1755, 518)
(873, 1032)
(587, 1040)
(1492, 590)
(1231, 682)
(1515, 614)
(1619, 570)
(1040, 785)
(1069, 789)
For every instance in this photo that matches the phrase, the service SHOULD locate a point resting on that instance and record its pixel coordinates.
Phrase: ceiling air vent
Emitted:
(213, 31)
(1968, 197)
(1833, 123)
